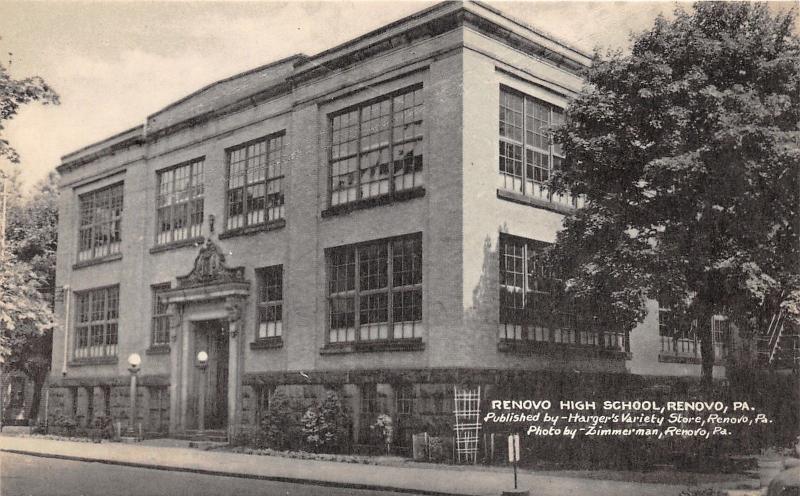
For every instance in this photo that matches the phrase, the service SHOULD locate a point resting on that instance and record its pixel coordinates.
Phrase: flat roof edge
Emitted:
(529, 27)
(297, 57)
(136, 131)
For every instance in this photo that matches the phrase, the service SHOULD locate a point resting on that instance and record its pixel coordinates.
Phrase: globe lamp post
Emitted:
(202, 364)
(134, 362)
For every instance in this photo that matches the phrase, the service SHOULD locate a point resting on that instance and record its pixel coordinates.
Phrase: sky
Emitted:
(113, 63)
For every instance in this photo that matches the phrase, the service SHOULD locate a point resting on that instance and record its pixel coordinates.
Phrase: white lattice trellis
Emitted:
(468, 423)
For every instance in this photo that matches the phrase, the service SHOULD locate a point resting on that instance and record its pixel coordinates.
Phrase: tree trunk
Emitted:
(36, 400)
(706, 353)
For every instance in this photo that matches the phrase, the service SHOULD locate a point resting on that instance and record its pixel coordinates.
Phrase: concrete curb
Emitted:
(275, 478)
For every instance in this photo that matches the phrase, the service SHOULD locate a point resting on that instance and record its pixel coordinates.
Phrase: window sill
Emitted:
(346, 208)
(97, 261)
(685, 359)
(174, 245)
(270, 343)
(560, 349)
(415, 344)
(79, 362)
(159, 349)
(515, 197)
(243, 231)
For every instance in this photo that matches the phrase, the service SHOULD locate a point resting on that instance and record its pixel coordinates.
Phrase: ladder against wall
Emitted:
(468, 423)
(779, 346)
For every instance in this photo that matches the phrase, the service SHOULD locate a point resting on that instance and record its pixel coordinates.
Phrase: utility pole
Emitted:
(3, 208)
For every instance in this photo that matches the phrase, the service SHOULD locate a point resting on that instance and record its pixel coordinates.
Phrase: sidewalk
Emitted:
(461, 480)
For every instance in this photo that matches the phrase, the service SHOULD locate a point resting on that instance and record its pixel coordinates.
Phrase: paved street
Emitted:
(28, 475)
(101, 467)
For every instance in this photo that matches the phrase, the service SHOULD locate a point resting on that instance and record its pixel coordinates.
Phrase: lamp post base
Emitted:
(516, 492)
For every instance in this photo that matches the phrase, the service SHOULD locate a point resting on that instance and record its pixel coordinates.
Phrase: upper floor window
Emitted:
(527, 153)
(375, 288)
(180, 202)
(159, 333)
(255, 182)
(376, 148)
(532, 302)
(270, 302)
(100, 231)
(96, 322)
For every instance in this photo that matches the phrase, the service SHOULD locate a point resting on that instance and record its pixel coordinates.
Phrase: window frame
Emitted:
(528, 313)
(264, 303)
(528, 325)
(191, 201)
(684, 342)
(159, 319)
(553, 152)
(417, 326)
(88, 325)
(417, 176)
(282, 161)
(405, 399)
(264, 393)
(111, 226)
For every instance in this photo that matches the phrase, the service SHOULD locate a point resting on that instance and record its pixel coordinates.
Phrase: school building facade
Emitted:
(366, 219)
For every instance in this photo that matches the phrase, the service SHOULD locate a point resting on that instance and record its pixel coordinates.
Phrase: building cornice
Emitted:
(426, 24)
(122, 141)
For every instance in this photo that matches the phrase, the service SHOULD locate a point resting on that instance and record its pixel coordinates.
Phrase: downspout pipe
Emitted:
(67, 320)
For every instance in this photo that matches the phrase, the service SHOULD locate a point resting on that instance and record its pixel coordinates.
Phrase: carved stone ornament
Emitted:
(209, 268)
(175, 313)
(234, 308)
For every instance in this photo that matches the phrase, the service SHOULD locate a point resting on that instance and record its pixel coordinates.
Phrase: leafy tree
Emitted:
(31, 234)
(32, 230)
(25, 323)
(13, 94)
(25, 318)
(687, 152)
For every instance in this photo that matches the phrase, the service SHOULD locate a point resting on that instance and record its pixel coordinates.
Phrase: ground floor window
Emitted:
(681, 338)
(270, 302)
(404, 396)
(73, 396)
(159, 332)
(107, 401)
(96, 322)
(159, 408)
(534, 307)
(375, 290)
(368, 413)
(264, 395)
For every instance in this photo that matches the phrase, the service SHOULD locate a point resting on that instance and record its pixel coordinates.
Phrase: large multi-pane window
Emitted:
(255, 182)
(100, 214)
(375, 290)
(528, 155)
(270, 302)
(96, 316)
(159, 333)
(532, 302)
(376, 147)
(179, 204)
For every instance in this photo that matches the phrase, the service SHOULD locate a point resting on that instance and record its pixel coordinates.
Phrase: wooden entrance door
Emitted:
(212, 337)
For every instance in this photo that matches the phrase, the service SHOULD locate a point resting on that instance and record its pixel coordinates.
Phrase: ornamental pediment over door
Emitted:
(210, 269)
